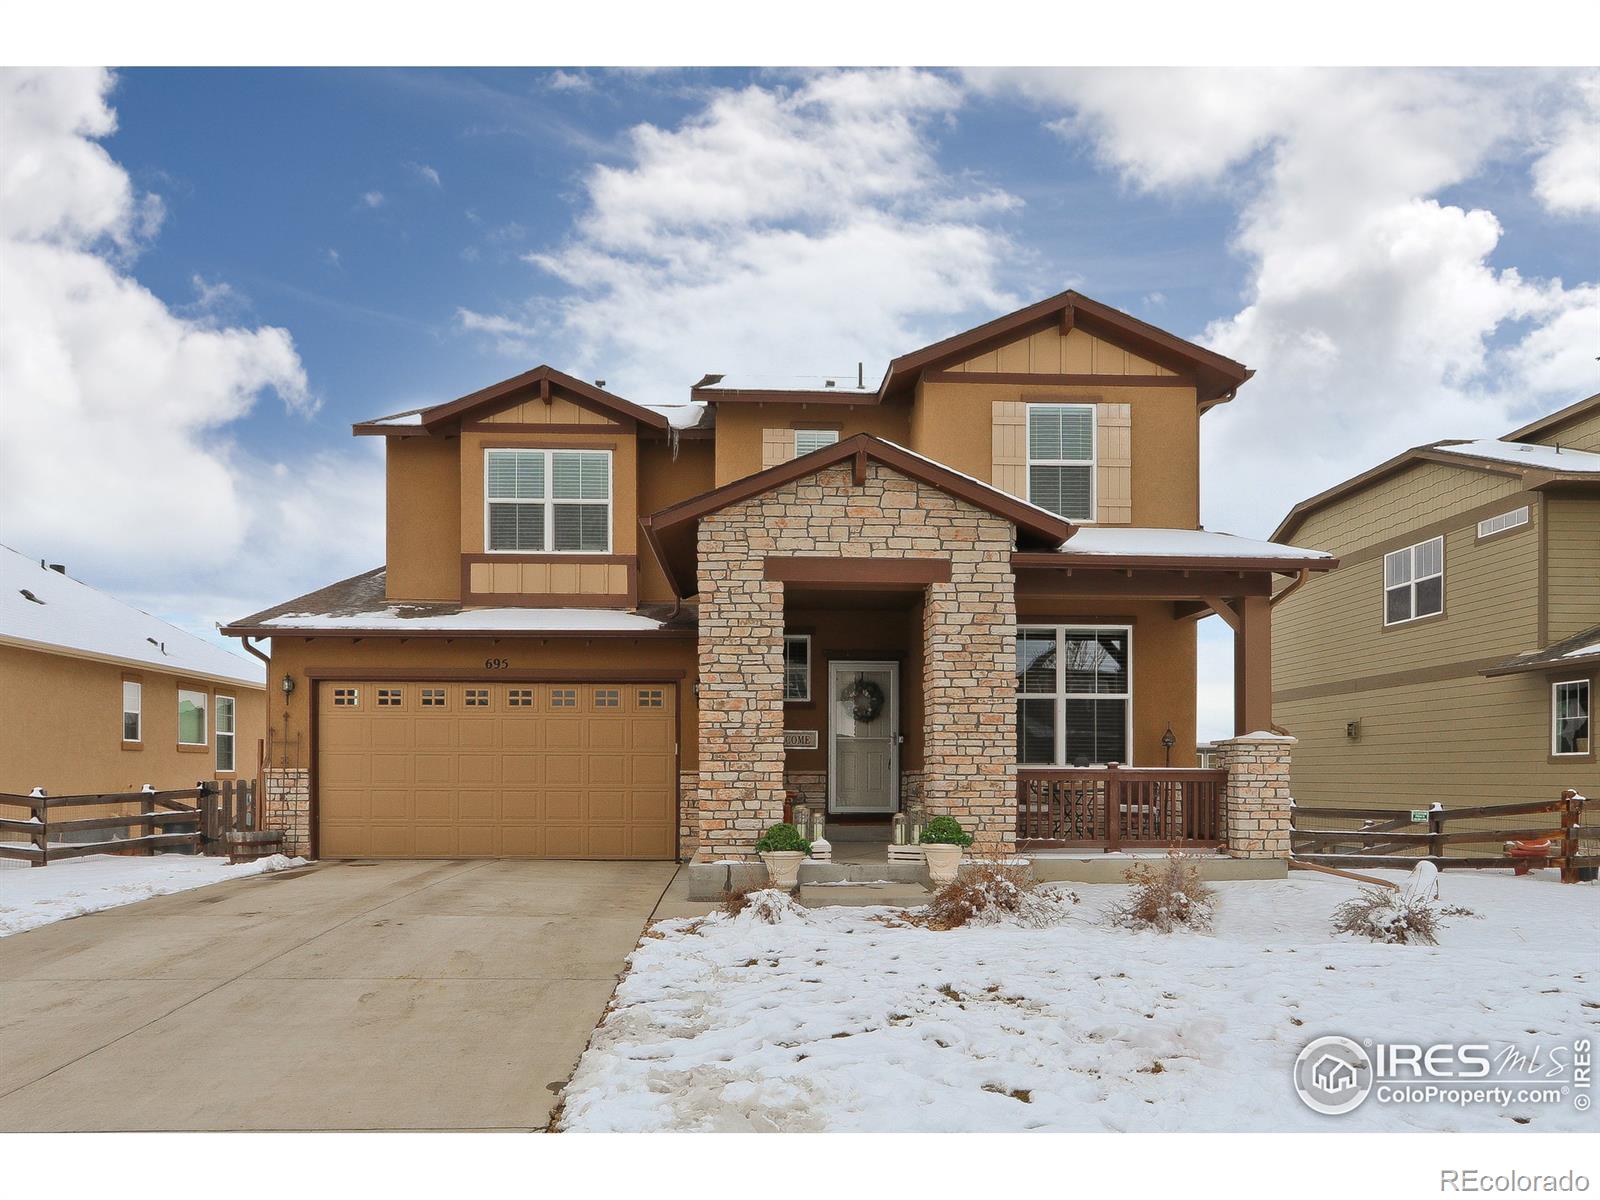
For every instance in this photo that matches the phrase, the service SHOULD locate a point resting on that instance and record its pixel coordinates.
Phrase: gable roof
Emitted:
(1216, 377)
(671, 532)
(1539, 465)
(1579, 652)
(543, 380)
(1555, 420)
(44, 609)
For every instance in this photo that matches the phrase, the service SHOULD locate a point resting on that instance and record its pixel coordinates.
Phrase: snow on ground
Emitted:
(836, 1020)
(34, 896)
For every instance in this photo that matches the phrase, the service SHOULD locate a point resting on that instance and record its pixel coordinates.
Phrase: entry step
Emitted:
(863, 894)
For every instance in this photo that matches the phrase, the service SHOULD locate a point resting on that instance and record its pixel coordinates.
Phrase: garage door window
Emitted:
(652, 698)
(432, 697)
(346, 697)
(607, 698)
(520, 697)
(564, 698)
(390, 697)
(477, 698)
(547, 501)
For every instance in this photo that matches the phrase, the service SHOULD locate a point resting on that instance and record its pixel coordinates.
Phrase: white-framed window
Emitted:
(1061, 459)
(807, 440)
(1413, 582)
(1571, 717)
(797, 667)
(225, 733)
(132, 710)
(1490, 526)
(547, 501)
(1074, 695)
(191, 717)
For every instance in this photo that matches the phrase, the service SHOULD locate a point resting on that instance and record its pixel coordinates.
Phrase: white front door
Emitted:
(863, 737)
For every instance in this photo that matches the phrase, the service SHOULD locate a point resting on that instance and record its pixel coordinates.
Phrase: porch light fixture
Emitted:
(288, 684)
(1352, 730)
(1168, 741)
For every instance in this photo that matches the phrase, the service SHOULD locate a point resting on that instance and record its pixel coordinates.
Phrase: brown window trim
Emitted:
(133, 677)
(1413, 622)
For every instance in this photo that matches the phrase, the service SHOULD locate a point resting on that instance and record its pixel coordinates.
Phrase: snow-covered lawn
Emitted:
(839, 1021)
(33, 896)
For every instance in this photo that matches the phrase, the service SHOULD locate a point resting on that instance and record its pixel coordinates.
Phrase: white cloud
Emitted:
(568, 81)
(1566, 178)
(372, 199)
(118, 455)
(782, 230)
(426, 173)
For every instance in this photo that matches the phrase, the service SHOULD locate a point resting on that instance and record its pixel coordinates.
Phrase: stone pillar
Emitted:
(740, 785)
(968, 690)
(1255, 803)
(286, 806)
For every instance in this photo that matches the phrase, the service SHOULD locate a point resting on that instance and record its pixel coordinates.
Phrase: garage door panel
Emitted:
(495, 769)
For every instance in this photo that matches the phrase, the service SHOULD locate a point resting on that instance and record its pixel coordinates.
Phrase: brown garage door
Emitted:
(516, 770)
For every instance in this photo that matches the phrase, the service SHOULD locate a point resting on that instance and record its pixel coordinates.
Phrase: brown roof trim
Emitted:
(670, 531)
(1437, 452)
(1554, 420)
(1062, 560)
(377, 428)
(1552, 657)
(1216, 377)
(267, 631)
(716, 395)
(546, 379)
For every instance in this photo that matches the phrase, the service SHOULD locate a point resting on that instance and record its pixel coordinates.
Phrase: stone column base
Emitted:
(1256, 800)
(286, 806)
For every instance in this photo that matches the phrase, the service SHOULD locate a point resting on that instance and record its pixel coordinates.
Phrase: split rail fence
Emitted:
(200, 819)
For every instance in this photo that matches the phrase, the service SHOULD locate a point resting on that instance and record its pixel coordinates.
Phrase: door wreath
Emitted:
(865, 699)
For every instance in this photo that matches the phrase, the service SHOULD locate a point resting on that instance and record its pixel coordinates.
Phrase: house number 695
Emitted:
(496, 664)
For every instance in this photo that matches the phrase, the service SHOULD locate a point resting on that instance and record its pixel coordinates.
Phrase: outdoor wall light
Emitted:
(1352, 730)
(1168, 741)
(288, 684)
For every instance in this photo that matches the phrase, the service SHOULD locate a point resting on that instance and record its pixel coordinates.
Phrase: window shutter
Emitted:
(777, 446)
(1114, 431)
(1009, 440)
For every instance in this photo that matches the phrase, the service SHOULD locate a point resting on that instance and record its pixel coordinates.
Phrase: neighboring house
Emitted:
(97, 697)
(612, 630)
(1455, 654)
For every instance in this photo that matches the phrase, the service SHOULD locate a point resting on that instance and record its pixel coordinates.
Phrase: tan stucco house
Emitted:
(98, 697)
(1454, 656)
(613, 630)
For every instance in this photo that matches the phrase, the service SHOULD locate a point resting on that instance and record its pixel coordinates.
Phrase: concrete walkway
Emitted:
(343, 996)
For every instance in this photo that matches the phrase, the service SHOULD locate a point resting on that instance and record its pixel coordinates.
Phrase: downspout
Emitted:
(244, 640)
(1299, 583)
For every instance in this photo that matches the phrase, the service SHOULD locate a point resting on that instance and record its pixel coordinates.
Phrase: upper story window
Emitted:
(1061, 459)
(1413, 582)
(1490, 526)
(807, 440)
(191, 717)
(548, 500)
(132, 710)
(1570, 713)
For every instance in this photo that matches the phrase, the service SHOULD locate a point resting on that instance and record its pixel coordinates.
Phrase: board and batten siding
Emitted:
(1572, 552)
(1113, 425)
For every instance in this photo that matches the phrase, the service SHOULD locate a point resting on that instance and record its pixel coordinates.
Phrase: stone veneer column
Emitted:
(740, 785)
(1256, 801)
(286, 806)
(968, 687)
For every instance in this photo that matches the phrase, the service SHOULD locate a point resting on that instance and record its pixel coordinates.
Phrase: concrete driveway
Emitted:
(359, 995)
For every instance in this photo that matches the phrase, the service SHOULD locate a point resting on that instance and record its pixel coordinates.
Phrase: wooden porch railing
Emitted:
(1114, 807)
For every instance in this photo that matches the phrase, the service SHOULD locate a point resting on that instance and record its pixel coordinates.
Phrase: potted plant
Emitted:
(943, 839)
(783, 849)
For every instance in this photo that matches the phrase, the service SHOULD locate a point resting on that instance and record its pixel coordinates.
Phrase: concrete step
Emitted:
(860, 895)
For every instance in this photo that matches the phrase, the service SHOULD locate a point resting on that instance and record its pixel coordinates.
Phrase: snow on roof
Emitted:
(1526, 454)
(413, 417)
(529, 620)
(1180, 543)
(682, 416)
(983, 483)
(843, 382)
(46, 609)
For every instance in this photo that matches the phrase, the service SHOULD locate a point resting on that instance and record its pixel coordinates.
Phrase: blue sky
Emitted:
(212, 273)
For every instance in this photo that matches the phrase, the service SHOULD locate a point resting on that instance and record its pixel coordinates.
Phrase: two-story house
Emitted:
(1455, 654)
(611, 630)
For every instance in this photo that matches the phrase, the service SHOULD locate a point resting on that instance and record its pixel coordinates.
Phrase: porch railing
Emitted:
(1114, 807)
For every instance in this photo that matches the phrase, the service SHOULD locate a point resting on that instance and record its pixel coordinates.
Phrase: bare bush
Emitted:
(1166, 897)
(996, 891)
(767, 906)
(1384, 916)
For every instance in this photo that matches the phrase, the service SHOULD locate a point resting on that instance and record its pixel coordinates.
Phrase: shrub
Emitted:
(1166, 897)
(1384, 916)
(768, 906)
(945, 831)
(995, 892)
(782, 836)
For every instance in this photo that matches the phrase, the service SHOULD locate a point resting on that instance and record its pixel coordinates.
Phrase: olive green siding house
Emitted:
(1455, 655)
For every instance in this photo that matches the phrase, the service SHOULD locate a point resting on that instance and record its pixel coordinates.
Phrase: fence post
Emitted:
(1569, 840)
(147, 808)
(205, 802)
(41, 814)
(1436, 820)
(1113, 808)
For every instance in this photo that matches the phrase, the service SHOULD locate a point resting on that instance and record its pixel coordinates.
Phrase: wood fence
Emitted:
(1385, 838)
(1114, 806)
(199, 818)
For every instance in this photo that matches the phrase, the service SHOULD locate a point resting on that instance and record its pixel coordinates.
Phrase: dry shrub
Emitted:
(996, 891)
(735, 902)
(1391, 917)
(766, 906)
(1166, 897)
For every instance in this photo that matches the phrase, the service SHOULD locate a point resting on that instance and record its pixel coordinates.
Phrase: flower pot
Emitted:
(783, 868)
(944, 861)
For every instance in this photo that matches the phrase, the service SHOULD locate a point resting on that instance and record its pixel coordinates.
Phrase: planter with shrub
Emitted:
(783, 850)
(943, 839)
